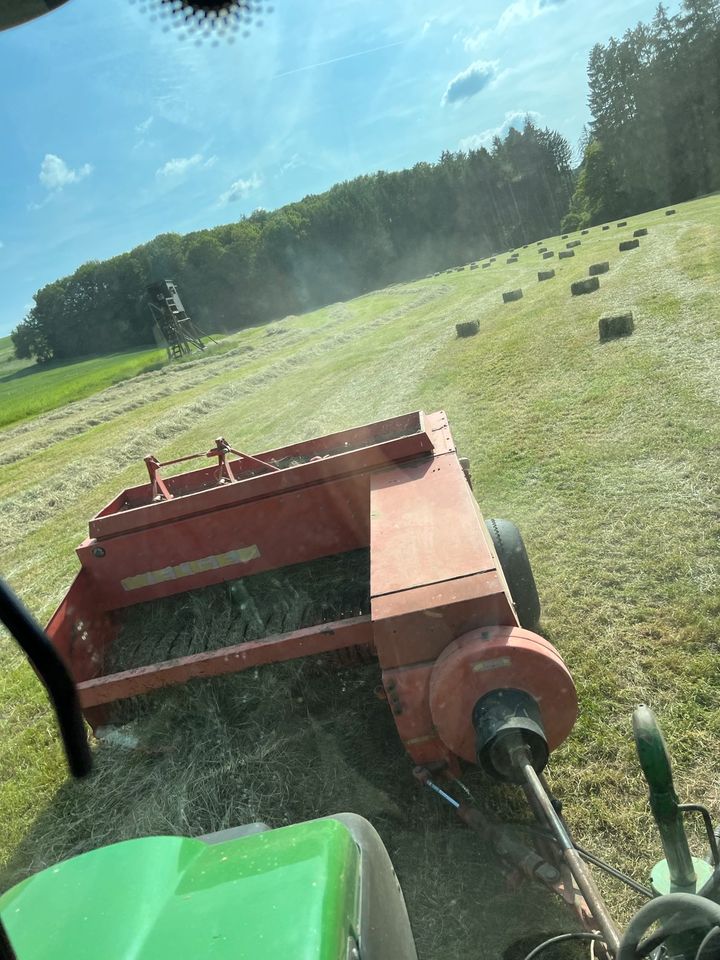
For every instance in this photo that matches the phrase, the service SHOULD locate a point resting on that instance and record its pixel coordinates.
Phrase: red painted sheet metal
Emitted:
(408, 694)
(80, 631)
(310, 641)
(416, 625)
(425, 526)
(287, 529)
(208, 495)
(490, 659)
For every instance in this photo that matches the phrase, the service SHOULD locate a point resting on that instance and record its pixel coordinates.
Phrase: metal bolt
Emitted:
(98, 552)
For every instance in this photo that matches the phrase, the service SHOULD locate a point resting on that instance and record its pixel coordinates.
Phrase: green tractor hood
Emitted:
(286, 894)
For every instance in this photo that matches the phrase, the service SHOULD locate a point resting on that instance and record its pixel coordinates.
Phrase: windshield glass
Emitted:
(296, 304)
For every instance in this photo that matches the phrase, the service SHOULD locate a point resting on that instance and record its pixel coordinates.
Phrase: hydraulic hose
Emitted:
(663, 908)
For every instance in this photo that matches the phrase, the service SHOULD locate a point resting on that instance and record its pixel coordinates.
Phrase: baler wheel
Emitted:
(515, 564)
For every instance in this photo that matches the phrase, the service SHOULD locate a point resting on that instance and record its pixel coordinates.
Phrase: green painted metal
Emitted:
(661, 882)
(286, 894)
(655, 762)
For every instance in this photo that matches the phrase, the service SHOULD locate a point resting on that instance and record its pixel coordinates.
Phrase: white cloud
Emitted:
(295, 161)
(177, 167)
(145, 125)
(514, 118)
(521, 11)
(56, 174)
(240, 189)
(472, 42)
(470, 81)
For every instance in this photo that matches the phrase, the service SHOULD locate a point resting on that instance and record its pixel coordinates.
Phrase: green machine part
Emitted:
(679, 872)
(295, 892)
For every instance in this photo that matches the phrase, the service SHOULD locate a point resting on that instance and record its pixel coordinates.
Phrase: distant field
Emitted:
(606, 456)
(28, 389)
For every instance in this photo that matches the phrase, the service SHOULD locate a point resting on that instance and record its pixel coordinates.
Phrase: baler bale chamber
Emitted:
(439, 616)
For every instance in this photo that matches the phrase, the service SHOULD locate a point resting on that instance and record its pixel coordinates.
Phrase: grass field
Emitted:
(606, 456)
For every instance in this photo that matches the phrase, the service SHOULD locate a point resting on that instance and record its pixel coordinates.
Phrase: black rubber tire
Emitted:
(515, 564)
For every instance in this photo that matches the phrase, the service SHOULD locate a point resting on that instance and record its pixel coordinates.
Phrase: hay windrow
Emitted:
(239, 611)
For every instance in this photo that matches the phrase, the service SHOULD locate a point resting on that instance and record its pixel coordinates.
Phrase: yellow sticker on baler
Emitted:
(190, 567)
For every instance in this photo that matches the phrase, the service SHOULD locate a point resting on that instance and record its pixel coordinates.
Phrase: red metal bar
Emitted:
(310, 641)
(133, 508)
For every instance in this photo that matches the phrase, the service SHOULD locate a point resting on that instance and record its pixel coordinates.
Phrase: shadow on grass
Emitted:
(287, 743)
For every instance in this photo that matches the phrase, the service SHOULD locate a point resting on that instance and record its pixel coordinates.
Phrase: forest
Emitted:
(654, 97)
(654, 138)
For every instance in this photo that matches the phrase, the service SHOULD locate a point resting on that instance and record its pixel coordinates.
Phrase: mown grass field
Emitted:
(606, 456)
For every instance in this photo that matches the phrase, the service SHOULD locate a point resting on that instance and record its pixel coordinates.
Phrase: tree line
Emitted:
(360, 235)
(654, 139)
(654, 96)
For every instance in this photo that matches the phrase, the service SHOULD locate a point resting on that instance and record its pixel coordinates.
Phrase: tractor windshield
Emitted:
(359, 386)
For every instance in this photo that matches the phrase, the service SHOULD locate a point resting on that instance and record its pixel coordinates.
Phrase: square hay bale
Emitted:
(493, 259)
(584, 232)
(511, 260)
(612, 326)
(606, 226)
(548, 254)
(524, 246)
(565, 236)
(468, 328)
(437, 274)
(564, 254)
(669, 213)
(449, 270)
(641, 232)
(459, 269)
(573, 243)
(488, 263)
(542, 249)
(585, 286)
(473, 266)
(623, 223)
(512, 295)
(628, 245)
(545, 275)
(597, 268)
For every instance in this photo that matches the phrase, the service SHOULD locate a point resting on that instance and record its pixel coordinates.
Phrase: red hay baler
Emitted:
(443, 622)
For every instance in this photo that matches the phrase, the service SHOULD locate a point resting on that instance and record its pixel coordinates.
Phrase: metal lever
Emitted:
(655, 763)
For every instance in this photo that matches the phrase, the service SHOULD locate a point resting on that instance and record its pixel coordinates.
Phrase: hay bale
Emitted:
(468, 328)
(511, 260)
(488, 263)
(584, 232)
(564, 254)
(565, 236)
(548, 254)
(585, 286)
(449, 270)
(437, 274)
(493, 259)
(628, 245)
(616, 325)
(623, 223)
(642, 232)
(512, 295)
(545, 275)
(597, 268)
(606, 226)
(459, 269)
(573, 243)
(542, 249)
(473, 266)
(669, 213)
(525, 246)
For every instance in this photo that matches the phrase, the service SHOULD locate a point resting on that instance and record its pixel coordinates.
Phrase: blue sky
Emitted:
(115, 130)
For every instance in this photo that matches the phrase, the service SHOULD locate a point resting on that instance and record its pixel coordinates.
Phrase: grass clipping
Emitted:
(284, 743)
